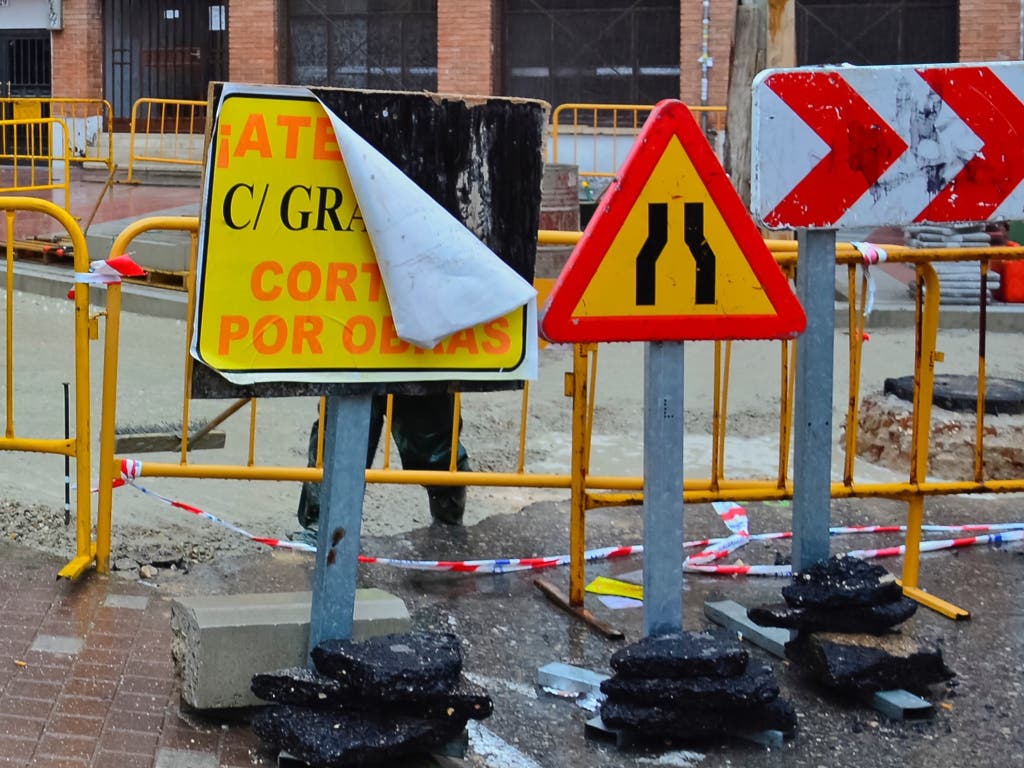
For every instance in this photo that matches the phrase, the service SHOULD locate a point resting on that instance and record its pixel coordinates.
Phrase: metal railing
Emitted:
(589, 491)
(88, 122)
(75, 446)
(166, 132)
(31, 161)
(597, 137)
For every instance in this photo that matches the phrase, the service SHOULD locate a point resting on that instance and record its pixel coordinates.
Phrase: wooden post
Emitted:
(781, 34)
(748, 57)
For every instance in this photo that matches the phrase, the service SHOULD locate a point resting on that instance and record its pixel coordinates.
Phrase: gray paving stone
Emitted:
(180, 758)
(132, 602)
(66, 646)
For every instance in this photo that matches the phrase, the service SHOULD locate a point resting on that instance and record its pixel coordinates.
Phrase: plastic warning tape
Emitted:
(732, 514)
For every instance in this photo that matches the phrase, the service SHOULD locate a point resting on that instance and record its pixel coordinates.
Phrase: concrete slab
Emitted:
(566, 677)
(221, 641)
(132, 602)
(732, 615)
(63, 646)
(162, 250)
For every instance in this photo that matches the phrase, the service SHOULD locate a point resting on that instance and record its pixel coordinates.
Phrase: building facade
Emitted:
(601, 51)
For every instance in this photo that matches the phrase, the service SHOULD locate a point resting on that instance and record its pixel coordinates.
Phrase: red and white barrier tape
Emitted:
(732, 514)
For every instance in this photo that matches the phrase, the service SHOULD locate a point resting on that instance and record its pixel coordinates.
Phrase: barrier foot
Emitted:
(937, 604)
(78, 566)
(557, 597)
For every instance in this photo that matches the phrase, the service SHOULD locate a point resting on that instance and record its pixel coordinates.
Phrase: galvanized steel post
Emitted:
(812, 407)
(346, 433)
(663, 487)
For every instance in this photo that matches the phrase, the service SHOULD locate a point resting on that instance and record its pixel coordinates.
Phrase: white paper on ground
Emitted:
(439, 277)
(615, 602)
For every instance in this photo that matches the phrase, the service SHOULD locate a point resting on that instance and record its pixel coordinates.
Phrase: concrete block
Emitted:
(221, 641)
(566, 677)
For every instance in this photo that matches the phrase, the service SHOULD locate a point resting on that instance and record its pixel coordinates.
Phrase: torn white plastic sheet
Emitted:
(439, 277)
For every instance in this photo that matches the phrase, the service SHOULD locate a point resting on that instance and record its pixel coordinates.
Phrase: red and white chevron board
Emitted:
(872, 146)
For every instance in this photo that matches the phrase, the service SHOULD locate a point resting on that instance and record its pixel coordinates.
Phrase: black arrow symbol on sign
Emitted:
(693, 228)
(657, 239)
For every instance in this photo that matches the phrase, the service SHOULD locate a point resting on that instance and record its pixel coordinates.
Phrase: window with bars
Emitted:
(592, 51)
(387, 44)
(871, 32)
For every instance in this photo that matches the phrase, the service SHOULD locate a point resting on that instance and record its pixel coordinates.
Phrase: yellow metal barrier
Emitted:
(88, 123)
(591, 491)
(34, 164)
(167, 132)
(598, 136)
(77, 446)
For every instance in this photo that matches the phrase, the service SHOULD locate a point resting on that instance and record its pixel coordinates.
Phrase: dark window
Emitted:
(592, 51)
(27, 68)
(168, 49)
(877, 33)
(388, 44)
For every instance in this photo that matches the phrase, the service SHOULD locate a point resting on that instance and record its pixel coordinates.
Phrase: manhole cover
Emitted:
(960, 393)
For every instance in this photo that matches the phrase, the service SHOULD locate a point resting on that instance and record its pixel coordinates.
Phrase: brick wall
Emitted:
(989, 30)
(722, 18)
(467, 54)
(256, 41)
(78, 51)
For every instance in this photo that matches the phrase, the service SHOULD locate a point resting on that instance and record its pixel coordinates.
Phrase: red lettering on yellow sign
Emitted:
(286, 137)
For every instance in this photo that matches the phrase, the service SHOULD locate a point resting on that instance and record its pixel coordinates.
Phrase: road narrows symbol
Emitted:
(657, 237)
(693, 228)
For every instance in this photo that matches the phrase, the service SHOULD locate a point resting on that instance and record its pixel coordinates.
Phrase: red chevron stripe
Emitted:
(862, 147)
(996, 115)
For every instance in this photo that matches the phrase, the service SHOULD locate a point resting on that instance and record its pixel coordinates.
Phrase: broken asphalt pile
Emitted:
(846, 613)
(686, 687)
(368, 701)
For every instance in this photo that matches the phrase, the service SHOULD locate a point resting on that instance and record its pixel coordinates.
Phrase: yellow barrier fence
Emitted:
(597, 137)
(589, 491)
(77, 446)
(32, 163)
(88, 124)
(166, 132)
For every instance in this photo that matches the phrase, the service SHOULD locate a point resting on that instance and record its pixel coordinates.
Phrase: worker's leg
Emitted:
(422, 428)
(309, 497)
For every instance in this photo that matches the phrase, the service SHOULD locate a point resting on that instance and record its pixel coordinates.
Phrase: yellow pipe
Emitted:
(591, 350)
(578, 473)
(104, 522)
(38, 445)
(108, 418)
(926, 329)
(523, 410)
(9, 373)
(252, 431)
(716, 412)
(453, 448)
(979, 412)
(82, 438)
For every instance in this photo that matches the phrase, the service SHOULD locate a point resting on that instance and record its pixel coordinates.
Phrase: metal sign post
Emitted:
(346, 434)
(812, 407)
(671, 255)
(663, 488)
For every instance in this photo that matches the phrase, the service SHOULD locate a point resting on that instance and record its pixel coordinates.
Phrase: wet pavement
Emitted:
(509, 630)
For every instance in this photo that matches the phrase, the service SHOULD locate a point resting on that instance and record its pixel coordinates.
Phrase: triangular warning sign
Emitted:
(671, 254)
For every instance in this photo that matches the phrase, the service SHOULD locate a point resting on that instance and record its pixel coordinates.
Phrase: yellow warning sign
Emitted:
(674, 211)
(671, 253)
(288, 279)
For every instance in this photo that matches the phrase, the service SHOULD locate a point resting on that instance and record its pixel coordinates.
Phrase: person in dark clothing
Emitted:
(422, 428)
